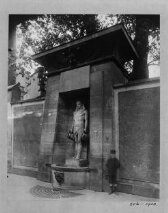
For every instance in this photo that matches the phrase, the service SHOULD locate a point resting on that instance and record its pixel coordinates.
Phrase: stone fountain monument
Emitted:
(85, 69)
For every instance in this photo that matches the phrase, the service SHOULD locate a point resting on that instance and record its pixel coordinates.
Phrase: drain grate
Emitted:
(47, 192)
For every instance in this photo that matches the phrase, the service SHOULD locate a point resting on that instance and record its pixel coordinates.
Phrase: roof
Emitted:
(111, 42)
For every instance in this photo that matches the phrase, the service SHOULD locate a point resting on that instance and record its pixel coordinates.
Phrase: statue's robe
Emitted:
(79, 123)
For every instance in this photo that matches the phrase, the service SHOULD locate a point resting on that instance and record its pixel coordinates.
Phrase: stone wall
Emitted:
(124, 117)
(138, 130)
(74, 79)
(62, 126)
(48, 127)
(9, 136)
(111, 117)
(24, 132)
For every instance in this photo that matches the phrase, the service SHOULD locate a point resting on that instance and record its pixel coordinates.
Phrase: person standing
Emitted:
(112, 166)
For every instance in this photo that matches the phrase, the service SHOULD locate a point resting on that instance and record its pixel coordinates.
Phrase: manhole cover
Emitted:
(47, 192)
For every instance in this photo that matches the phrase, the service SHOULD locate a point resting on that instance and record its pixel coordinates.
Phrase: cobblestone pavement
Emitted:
(31, 195)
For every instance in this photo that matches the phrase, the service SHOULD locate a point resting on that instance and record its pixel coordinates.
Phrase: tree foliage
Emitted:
(145, 32)
(42, 80)
(48, 31)
(11, 68)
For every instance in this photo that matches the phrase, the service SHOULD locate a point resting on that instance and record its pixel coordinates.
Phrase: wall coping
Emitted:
(138, 82)
(28, 100)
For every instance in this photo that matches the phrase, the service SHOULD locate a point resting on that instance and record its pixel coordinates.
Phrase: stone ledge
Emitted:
(138, 82)
(70, 169)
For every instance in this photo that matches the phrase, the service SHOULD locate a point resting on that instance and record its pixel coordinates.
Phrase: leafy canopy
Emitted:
(48, 31)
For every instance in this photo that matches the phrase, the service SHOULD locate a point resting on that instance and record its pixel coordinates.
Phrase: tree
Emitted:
(145, 32)
(48, 31)
(11, 68)
(42, 80)
(45, 32)
(145, 29)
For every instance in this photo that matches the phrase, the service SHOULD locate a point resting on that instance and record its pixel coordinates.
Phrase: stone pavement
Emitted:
(19, 199)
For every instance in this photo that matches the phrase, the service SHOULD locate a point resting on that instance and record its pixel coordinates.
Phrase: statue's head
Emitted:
(79, 105)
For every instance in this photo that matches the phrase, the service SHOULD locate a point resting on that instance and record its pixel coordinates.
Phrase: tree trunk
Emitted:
(140, 67)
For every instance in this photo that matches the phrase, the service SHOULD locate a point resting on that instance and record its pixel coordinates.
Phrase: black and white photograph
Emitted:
(83, 111)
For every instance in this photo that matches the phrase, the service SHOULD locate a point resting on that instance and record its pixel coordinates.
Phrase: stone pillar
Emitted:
(102, 78)
(96, 127)
(48, 127)
(59, 149)
(112, 75)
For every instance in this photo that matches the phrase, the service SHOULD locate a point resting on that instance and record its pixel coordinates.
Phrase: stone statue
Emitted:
(79, 127)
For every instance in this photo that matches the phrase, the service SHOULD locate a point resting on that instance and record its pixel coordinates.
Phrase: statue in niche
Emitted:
(79, 128)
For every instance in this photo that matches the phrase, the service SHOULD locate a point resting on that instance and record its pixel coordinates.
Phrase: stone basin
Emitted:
(67, 168)
(73, 176)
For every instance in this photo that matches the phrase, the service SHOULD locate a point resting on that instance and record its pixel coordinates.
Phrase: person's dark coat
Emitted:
(112, 165)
